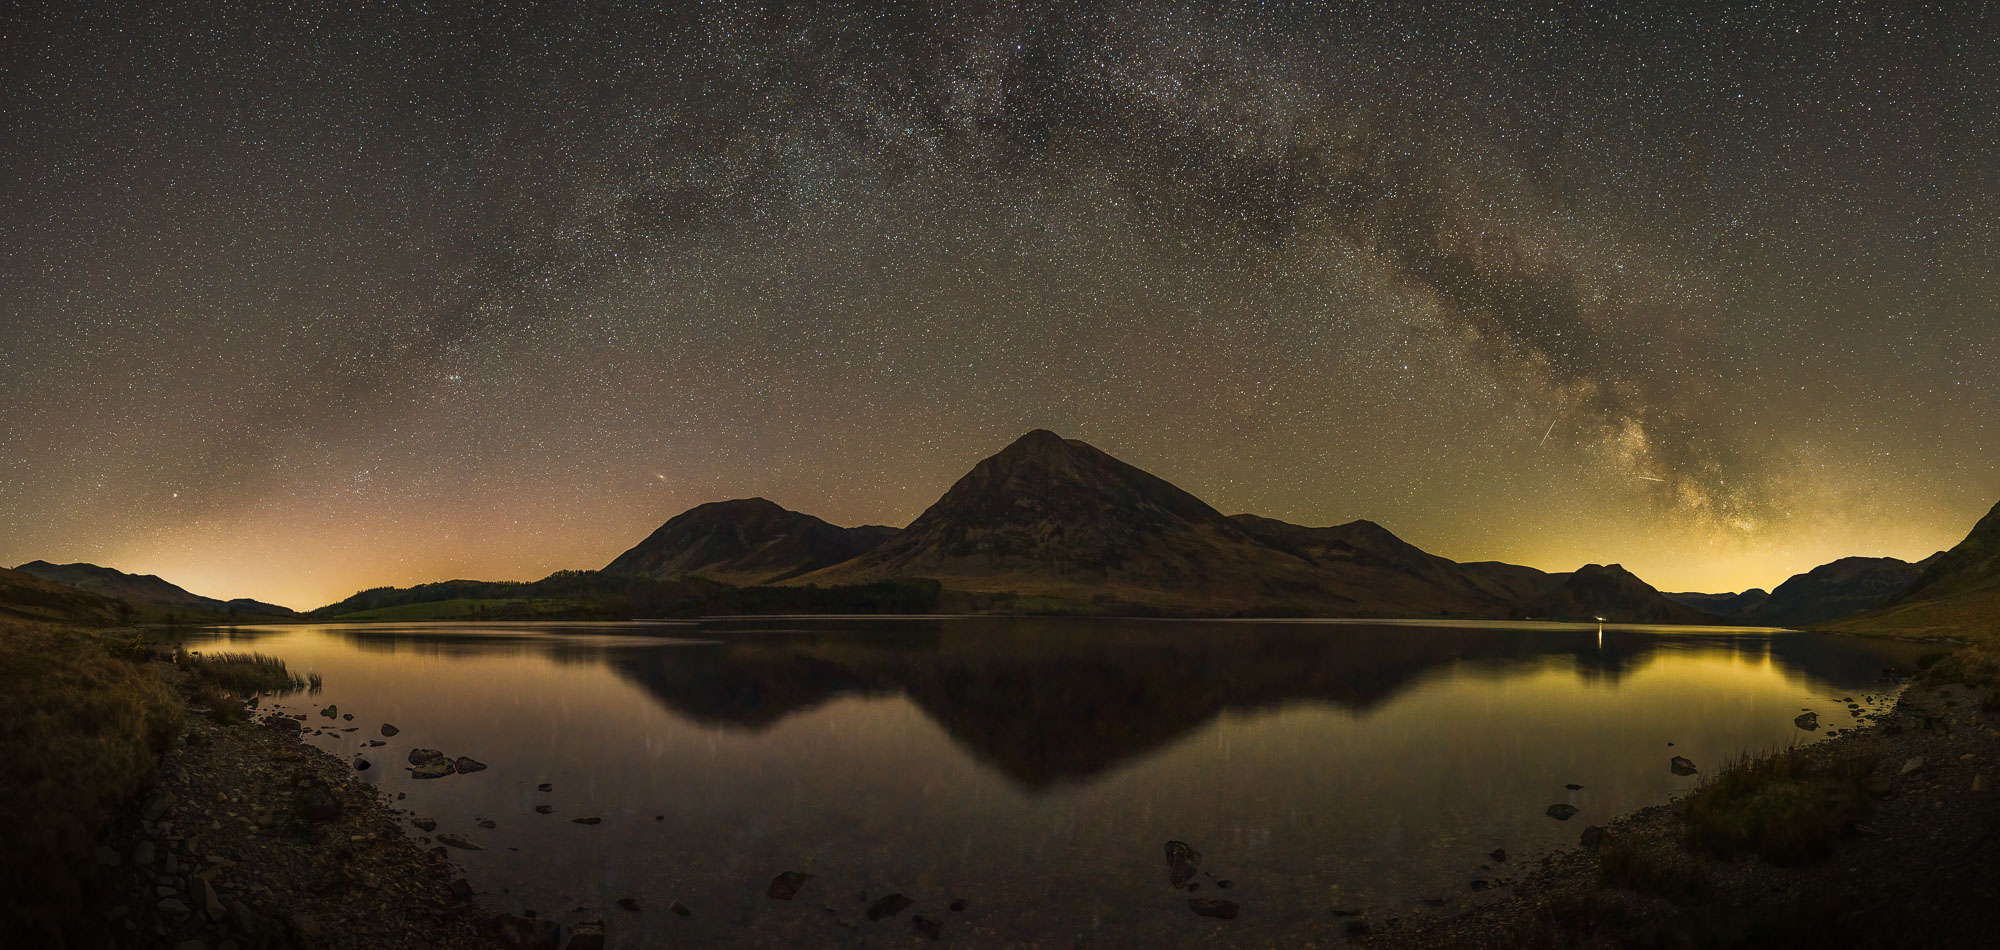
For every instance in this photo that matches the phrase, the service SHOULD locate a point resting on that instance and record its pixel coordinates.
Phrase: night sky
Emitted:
(299, 301)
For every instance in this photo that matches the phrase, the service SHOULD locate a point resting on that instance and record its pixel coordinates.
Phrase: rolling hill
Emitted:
(145, 590)
(745, 542)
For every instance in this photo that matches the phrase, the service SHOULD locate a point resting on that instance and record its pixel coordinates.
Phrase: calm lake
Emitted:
(1036, 768)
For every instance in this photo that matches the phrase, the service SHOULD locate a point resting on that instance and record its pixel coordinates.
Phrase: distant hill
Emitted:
(1364, 547)
(598, 595)
(1834, 591)
(1956, 594)
(24, 596)
(1726, 606)
(1613, 593)
(145, 590)
(745, 542)
(1062, 521)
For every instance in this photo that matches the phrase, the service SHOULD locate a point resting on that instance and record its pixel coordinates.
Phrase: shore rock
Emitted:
(420, 756)
(389, 730)
(1682, 765)
(1809, 721)
(587, 935)
(316, 802)
(1911, 764)
(466, 763)
(526, 933)
(433, 768)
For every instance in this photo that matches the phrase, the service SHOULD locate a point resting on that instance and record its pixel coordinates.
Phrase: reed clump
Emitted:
(1788, 808)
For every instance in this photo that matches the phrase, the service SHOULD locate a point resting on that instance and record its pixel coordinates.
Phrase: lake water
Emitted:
(1035, 768)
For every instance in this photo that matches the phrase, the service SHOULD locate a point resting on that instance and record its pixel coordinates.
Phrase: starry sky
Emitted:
(301, 299)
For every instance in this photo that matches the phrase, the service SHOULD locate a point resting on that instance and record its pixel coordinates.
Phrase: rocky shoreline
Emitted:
(1922, 868)
(252, 838)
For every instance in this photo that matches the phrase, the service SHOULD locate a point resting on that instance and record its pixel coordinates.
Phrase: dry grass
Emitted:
(1787, 808)
(1977, 665)
(81, 729)
(244, 674)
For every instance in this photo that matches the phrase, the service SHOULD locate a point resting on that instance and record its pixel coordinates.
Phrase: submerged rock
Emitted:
(785, 885)
(425, 825)
(433, 768)
(466, 763)
(420, 756)
(587, 821)
(458, 842)
(1499, 855)
(1213, 907)
(545, 787)
(1562, 811)
(1182, 860)
(958, 906)
(544, 809)
(1809, 721)
(928, 927)
(676, 907)
(628, 903)
(389, 730)
(889, 905)
(1912, 764)
(1682, 765)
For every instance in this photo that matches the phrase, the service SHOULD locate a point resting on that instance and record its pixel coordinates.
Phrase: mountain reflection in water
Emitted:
(1037, 765)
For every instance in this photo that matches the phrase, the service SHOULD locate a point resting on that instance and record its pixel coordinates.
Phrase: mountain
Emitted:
(745, 542)
(1834, 591)
(1956, 594)
(1612, 593)
(24, 596)
(143, 589)
(1483, 587)
(1059, 518)
(1062, 521)
(1726, 606)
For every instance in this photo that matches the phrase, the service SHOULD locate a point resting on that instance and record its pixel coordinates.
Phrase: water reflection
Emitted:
(1036, 766)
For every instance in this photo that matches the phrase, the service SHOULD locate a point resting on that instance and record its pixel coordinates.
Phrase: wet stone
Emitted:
(1562, 811)
(389, 730)
(1213, 907)
(1682, 765)
(785, 885)
(889, 906)
(1182, 860)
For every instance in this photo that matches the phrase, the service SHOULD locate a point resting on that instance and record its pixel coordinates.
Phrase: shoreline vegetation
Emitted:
(144, 806)
(1882, 836)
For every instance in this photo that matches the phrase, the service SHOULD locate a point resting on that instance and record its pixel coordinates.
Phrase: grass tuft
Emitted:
(1787, 808)
(244, 674)
(1977, 665)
